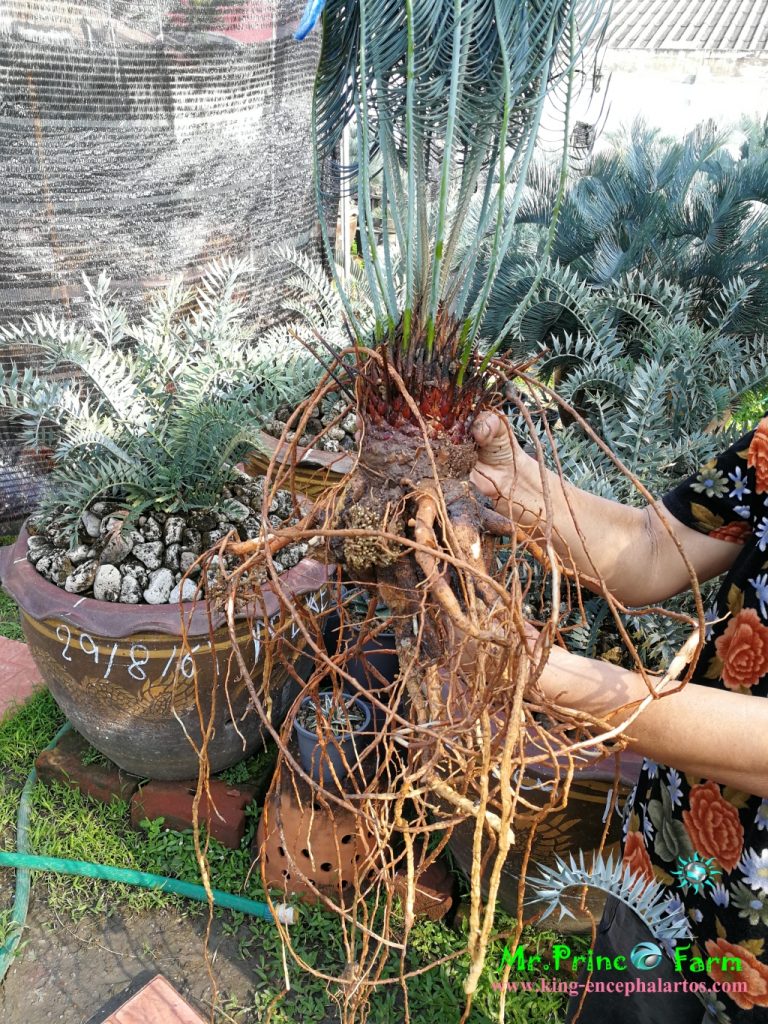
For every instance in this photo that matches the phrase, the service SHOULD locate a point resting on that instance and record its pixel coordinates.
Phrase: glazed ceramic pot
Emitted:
(314, 470)
(579, 825)
(124, 678)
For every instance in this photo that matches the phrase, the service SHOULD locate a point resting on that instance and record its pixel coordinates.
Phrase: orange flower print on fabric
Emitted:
(743, 649)
(636, 857)
(757, 456)
(714, 826)
(753, 972)
(736, 533)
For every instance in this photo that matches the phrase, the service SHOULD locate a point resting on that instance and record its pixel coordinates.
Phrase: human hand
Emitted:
(498, 456)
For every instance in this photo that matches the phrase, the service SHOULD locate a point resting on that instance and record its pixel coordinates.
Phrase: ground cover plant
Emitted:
(447, 98)
(64, 823)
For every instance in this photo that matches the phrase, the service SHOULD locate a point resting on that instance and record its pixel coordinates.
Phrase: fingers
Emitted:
(486, 427)
(494, 440)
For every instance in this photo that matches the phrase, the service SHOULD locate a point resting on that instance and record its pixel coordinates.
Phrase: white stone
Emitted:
(38, 548)
(174, 527)
(349, 424)
(186, 560)
(117, 548)
(81, 578)
(43, 565)
(107, 585)
(151, 529)
(80, 554)
(60, 569)
(91, 524)
(187, 591)
(171, 557)
(151, 554)
(160, 586)
(130, 591)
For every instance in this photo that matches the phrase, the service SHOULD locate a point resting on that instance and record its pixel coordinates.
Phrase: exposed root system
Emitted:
(476, 605)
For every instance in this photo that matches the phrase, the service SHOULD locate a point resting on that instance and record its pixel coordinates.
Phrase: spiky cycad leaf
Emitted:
(664, 918)
(447, 95)
(163, 408)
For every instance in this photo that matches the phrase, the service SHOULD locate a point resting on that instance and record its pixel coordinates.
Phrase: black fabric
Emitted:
(619, 931)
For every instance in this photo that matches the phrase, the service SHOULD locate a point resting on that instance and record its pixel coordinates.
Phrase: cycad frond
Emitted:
(164, 407)
(664, 918)
(448, 95)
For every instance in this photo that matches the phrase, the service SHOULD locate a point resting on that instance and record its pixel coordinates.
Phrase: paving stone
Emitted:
(157, 1003)
(172, 801)
(99, 781)
(19, 675)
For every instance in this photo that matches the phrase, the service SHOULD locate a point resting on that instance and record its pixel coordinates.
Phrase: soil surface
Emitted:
(78, 973)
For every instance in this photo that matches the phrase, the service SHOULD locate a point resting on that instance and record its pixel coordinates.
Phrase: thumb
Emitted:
(493, 437)
(485, 428)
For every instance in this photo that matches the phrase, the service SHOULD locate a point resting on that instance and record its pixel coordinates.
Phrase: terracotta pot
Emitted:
(119, 674)
(578, 826)
(316, 470)
(304, 842)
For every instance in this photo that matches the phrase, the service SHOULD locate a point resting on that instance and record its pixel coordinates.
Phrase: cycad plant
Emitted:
(643, 290)
(446, 98)
(690, 212)
(153, 414)
(656, 385)
(447, 95)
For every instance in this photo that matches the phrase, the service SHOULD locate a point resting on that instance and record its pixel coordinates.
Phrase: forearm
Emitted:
(700, 730)
(601, 538)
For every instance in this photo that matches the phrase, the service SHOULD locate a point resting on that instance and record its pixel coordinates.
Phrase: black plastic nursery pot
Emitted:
(123, 677)
(374, 665)
(328, 763)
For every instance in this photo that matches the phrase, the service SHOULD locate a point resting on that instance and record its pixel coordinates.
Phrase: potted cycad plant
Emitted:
(145, 436)
(332, 735)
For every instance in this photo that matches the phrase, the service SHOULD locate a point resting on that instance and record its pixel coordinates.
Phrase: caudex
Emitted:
(447, 100)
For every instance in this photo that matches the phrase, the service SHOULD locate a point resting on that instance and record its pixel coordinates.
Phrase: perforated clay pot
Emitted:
(301, 841)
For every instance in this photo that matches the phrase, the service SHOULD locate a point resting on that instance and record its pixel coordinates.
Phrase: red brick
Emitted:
(433, 895)
(100, 782)
(172, 801)
(157, 1003)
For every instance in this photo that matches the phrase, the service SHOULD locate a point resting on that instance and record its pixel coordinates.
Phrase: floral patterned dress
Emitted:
(673, 818)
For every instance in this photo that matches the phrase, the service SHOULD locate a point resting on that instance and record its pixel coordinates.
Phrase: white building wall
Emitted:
(676, 89)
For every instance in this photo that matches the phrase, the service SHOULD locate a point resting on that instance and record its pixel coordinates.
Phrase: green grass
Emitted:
(10, 622)
(63, 823)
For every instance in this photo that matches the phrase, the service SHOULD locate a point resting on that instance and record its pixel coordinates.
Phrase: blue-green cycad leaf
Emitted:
(448, 96)
(664, 918)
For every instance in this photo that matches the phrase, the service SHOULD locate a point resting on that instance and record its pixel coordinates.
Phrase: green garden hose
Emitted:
(145, 880)
(24, 862)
